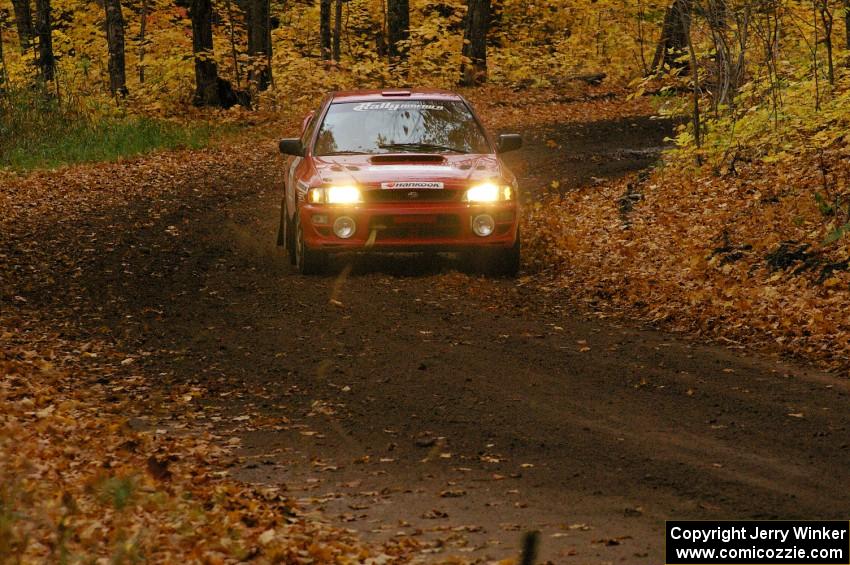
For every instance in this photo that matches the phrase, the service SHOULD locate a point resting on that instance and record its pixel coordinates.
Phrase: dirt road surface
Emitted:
(407, 397)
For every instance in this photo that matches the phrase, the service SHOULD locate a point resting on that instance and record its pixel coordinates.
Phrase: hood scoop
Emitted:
(406, 158)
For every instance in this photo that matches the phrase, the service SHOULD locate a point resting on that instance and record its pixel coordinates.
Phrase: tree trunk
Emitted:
(325, 29)
(206, 72)
(23, 21)
(685, 22)
(115, 41)
(142, 27)
(259, 44)
(398, 29)
(847, 23)
(337, 29)
(44, 29)
(828, 20)
(674, 39)
(474, 67)
(2, 60)
(233, 52)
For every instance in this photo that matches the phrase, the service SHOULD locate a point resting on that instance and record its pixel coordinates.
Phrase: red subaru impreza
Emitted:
(399, 171)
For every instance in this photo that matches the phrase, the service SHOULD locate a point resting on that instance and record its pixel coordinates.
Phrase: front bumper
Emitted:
(407, 227)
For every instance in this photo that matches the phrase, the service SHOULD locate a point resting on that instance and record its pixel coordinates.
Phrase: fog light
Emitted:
(320, 219)
(483, 225)
(344, 227)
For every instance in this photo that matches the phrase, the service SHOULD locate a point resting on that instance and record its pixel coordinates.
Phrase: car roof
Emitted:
(394, 94)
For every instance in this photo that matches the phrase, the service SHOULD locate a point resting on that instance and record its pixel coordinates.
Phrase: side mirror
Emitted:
(291, 146)
(509, 142)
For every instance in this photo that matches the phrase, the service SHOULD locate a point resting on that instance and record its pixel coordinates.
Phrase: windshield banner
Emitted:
(395, 106)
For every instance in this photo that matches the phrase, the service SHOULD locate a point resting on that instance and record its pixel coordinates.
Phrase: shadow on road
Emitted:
(394, 264)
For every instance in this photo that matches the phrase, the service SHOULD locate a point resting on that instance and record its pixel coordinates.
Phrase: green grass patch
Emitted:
(36, 133)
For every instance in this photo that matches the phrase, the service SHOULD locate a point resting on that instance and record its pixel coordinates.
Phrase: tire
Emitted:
(509, 261)
(430, 259)
(288, 233)
(285, 234)
(307, 261)
(496, 262)
(281, 227)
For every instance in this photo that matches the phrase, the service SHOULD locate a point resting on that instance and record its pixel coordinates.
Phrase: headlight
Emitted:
(336, 195)
(344, 195)
(489, 192)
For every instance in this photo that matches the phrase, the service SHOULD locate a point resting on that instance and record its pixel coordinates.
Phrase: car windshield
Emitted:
(409, 126)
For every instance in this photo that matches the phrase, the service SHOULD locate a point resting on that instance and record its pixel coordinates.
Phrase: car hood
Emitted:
(455, 171)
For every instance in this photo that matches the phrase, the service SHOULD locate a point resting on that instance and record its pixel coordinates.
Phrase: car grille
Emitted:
(436, 226)
(412, 196)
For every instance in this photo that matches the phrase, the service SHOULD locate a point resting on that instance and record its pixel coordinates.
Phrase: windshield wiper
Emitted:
(421, 147)
(339, 153)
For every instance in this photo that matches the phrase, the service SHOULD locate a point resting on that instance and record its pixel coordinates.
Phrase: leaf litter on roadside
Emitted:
(95, 462)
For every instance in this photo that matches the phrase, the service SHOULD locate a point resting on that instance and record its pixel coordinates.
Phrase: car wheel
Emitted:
(288, 233)
(496, 262)
(430, 259)
(308, 261)
(281, 227)
(508, 261)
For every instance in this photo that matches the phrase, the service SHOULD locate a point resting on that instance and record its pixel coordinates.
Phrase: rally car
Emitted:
(399, 171)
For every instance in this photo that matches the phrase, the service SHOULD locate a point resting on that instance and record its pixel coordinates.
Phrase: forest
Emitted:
(753, 60)
(684, 294)
(159, 56)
